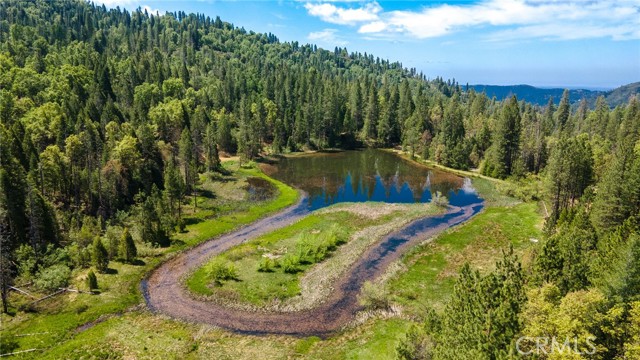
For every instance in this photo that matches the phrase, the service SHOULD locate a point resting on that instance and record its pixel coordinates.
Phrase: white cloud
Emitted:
(344, 16)
(501, 19)
(327, 37)
(152, 11)
(129, 4)
(114, 3)
(374, 27)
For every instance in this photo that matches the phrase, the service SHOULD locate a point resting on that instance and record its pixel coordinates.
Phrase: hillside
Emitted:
(541, 96)
(622, 94)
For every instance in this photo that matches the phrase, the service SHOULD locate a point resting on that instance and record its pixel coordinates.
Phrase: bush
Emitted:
(440, 200)
(92, 281)
(333, 237)
(99, 255)
(290, 264)
(27, 262)
(112, 240)
(81, 257)
(127, 247)
(374, 296)
(267, 264)
(219, 272)
(415, 345)
(306, 251)
(53, 277)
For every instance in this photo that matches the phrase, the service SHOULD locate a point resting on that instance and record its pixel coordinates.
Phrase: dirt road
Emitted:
(165, 293)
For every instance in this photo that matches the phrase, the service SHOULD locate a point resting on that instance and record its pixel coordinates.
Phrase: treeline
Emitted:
(108, 116)
(580, 296)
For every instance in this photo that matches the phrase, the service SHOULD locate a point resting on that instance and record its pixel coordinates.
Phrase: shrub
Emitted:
(53, 277)
(440, 200)
(415, 345)
(55, 255)
(127, 247)
(112, 240)
(333, 237)
(99, 255)
(27, 261)
(267, 264)
(306, 251)
(92, 281)
(290, 264)
(374, 296)
(219, 272)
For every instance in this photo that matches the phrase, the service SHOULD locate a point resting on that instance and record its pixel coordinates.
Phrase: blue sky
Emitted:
(548, 43)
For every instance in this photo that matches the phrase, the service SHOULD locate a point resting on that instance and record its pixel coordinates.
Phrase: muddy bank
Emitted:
(165, 294)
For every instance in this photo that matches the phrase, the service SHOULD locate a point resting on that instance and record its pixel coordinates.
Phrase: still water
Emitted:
(368, 175)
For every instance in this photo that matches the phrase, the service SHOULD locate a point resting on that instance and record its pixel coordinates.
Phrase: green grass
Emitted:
(200, 280)
(432, 268)
(231, 219)
(260, 288)
(143, 335)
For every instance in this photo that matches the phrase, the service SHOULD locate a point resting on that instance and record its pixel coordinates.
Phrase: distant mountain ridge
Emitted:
(541, 96)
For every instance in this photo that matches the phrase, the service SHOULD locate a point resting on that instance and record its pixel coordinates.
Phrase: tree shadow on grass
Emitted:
(208, 194)
(178, 243)
(7, 344)
(191, 220)
(138, 262)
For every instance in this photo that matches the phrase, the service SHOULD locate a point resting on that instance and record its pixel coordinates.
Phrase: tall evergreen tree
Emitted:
(564, 111)
(372, 114)
(127, 247)
(99, 255)
(569, 172)
(506, 143)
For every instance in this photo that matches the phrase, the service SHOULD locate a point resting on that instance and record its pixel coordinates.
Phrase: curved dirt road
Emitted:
(165, 293)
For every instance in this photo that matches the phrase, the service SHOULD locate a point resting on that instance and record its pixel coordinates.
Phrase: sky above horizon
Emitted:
(545, 43)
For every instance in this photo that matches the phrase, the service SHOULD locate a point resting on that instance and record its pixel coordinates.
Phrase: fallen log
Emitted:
(22, 292)
(48, 296)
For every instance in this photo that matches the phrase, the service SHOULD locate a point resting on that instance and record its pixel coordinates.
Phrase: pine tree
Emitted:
(92, 281)
(173, 188)
(405, 105)
(564, 111)
(569, 173)
(506, 140)
(212, 161)
(387, 129)
(99, 255)
(187, 159)
(548, 122)
(355, 109)
(6, 263)
(372, 113)
(127, 247)
(618, 195)
(223, 131)
(482, 318)
(453, 133)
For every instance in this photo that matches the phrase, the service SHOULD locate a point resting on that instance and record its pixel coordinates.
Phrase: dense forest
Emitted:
(107, 114)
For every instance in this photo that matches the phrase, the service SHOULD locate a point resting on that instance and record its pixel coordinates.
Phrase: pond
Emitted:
(259, 189)
(368, 175)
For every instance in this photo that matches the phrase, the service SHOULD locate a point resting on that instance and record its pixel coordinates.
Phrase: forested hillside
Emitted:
(541, 96)
(108, 115)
